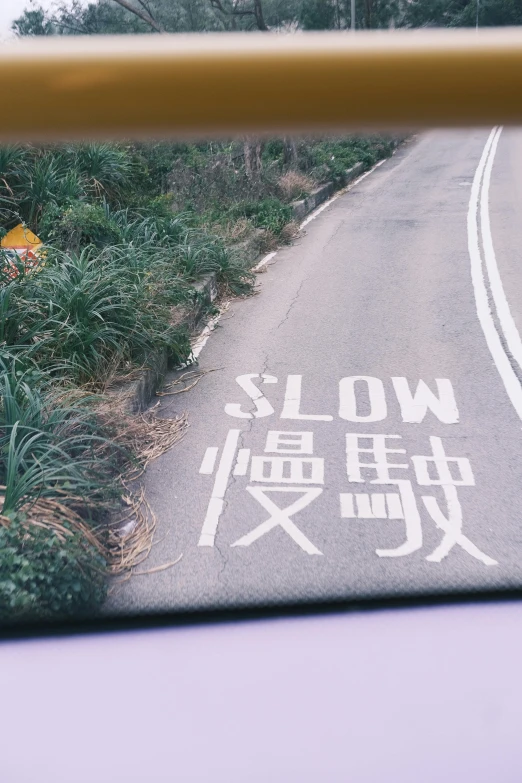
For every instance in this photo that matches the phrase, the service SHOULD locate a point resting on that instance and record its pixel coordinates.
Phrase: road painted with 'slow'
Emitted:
(361, 435)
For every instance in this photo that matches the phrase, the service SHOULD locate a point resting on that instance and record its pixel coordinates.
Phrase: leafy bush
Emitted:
(80, 224)
(106, 168)
(329, 158)
(50, 441)
(54, 460)
(44, 574)
(13, 312)
(269, 213)
(154, 223)
(153, 165)
(273, 150)
(37, 182)
(95, 310)
(40, 179)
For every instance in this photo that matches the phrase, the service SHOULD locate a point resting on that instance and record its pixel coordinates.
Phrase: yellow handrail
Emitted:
(162, 85)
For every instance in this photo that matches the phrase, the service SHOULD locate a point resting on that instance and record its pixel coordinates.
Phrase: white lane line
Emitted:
(502, 363)
(505, 318)
(322, 207)
(215, 506)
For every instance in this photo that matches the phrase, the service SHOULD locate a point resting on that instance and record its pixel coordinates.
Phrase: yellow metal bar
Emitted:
(165, 85)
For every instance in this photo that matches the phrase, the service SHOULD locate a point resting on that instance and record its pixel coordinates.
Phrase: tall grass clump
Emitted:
(55, 480)
(91, 313)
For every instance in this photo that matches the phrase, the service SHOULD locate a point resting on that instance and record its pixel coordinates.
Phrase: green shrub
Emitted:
(50, 442)
(79, 225)
(44, 180)
(54, 461)
(152, 222)
(153, 165)
(269, 213)
(86, 312)
(273, 150)
(329, 158)
(13, 311)
(44, 575)
(106, 168)
(84, 315)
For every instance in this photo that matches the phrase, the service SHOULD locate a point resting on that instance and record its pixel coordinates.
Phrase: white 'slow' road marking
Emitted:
(215, 506)
(209, 460)
(479, 197)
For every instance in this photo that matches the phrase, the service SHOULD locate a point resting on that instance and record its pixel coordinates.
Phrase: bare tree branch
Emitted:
(145, 17)
(218, 6)
(146, 8)
(60, 23)
(256, 11)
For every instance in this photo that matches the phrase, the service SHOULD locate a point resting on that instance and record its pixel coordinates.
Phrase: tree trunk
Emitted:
(247, 151)
(252, 151)
(258, 13)
(258, 151)
(290, 151)
(368, 14)
(141, 15)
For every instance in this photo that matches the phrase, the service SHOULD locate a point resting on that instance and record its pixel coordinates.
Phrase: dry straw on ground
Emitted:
(146, 436)
(51, 514)
(295, 185)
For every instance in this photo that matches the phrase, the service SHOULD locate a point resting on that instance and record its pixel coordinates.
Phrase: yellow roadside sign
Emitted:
(20, 246)
(21, 239)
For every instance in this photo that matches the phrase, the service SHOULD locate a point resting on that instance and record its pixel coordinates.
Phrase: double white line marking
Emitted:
(486, 279)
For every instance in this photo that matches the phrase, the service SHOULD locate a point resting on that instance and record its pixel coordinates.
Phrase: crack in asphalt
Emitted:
(333, 235)
(292, 303)
(305, 279)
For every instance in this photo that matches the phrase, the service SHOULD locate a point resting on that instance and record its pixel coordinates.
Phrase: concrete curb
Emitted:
(139, 392)
(303, 208)
(250, 248)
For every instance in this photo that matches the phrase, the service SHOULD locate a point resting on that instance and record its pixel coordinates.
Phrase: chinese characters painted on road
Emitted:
(288, 476)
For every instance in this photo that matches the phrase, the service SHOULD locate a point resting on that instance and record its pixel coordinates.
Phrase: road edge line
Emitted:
(484, 314)
(507, 324)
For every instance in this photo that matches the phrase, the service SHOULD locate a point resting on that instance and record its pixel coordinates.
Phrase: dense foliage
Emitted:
(109, 16)
(46, 575)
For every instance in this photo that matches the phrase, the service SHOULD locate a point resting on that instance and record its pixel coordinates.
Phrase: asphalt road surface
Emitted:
(361, 434)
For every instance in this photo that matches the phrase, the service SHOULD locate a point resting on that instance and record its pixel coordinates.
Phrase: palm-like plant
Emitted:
(43, 181)
(106, 167)
(89, 312)
(47, 446)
